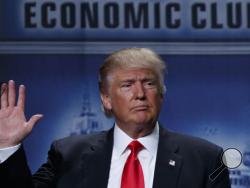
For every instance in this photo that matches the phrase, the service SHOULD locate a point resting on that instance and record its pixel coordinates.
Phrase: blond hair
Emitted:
(132, 58)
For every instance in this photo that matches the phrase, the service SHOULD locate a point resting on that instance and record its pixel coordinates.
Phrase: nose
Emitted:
(139, 91)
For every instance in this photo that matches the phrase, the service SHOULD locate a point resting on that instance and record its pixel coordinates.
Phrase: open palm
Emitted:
(13, 125)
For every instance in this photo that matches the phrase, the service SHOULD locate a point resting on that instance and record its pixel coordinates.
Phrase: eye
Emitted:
(126, 85)
(150, 84)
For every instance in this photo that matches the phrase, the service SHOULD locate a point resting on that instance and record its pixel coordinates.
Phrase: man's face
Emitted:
(134, 97)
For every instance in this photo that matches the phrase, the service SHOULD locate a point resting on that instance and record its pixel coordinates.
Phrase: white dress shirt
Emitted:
(5, 153)
(146, 156)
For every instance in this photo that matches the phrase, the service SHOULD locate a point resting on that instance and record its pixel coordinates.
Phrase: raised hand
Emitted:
(13, 125)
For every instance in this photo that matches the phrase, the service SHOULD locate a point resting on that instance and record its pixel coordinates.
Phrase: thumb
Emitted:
(33, 120)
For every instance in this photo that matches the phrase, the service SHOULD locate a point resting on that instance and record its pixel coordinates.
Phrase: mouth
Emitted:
(140, 108)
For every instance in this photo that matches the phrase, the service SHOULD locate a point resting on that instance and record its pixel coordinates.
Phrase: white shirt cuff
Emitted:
(5, 153)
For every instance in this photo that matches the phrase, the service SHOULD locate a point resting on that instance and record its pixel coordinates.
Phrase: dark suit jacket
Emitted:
(84, 162)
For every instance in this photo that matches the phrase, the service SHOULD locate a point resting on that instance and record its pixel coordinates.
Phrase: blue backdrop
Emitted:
(206, 45)
(207, 96)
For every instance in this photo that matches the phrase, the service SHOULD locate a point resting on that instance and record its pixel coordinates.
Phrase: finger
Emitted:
(21, 97)
(33, 120)
(12, 93)
(4, 99)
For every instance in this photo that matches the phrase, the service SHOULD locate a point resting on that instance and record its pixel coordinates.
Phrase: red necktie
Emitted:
(132, 176)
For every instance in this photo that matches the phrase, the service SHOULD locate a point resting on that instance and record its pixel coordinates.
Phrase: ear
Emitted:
(106, 101)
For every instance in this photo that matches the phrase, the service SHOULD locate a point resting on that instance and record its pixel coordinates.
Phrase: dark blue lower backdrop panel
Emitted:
(207, 96)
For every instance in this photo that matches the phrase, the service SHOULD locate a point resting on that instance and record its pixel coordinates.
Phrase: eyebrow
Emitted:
(130, 80)
(127, 80)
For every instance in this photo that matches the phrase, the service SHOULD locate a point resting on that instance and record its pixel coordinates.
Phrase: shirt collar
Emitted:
(150, 142)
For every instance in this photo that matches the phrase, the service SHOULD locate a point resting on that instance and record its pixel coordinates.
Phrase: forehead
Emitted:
(133, 73)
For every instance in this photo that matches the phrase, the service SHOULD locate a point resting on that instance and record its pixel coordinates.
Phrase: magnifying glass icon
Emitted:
(231, 159)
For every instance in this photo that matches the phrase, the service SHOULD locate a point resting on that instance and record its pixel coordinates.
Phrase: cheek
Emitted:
(121, 99)
(125, 96)
(156, 101)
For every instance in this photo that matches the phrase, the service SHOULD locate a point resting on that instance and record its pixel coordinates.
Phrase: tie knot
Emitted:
(135, 147)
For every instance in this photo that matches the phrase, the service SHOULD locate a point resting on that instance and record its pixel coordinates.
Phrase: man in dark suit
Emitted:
(136, 153)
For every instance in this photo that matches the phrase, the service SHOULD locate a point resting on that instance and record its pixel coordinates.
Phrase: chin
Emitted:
(143, 121)
(143, 118)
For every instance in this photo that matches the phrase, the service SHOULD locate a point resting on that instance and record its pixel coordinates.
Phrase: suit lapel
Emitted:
(96, 162)
(168, 162)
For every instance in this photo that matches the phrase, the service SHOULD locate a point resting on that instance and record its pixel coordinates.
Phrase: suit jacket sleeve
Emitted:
(220, 179)
(15, 172)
